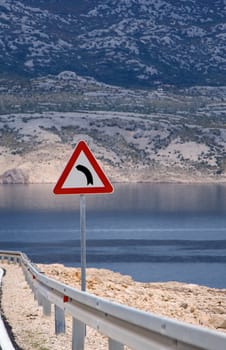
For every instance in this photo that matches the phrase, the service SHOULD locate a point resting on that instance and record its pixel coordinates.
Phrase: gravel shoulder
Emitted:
(32, 330)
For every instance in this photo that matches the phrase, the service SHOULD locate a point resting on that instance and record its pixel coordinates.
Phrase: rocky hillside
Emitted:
(126, 42)
(142, 81)
(137, 135)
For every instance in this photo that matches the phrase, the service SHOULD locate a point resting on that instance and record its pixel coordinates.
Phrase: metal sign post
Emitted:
(83, 175)
(83, 241)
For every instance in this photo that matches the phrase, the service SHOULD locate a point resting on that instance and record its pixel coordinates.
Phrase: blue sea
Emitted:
(152, 232)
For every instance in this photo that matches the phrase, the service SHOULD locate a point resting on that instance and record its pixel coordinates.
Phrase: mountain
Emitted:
(142, 81)
(131, 43)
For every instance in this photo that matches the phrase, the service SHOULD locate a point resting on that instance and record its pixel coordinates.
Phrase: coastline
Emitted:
(189, 303)
(176, 181)
(21, 174)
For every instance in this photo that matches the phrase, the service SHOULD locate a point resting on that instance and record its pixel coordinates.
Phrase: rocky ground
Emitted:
(190, 303)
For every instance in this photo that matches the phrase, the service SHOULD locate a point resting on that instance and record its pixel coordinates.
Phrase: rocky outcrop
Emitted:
(191, 303)
(14, 176)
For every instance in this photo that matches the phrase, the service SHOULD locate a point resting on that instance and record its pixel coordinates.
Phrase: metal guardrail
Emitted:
(5, 342)
(121, 324)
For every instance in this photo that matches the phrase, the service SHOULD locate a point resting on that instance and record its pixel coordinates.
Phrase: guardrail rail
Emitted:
(122, 325)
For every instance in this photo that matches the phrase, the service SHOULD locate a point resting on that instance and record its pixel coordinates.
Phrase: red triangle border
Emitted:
(107, 188)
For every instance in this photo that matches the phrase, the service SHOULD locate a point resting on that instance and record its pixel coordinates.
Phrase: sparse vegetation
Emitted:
(35, 96)
(172, 137)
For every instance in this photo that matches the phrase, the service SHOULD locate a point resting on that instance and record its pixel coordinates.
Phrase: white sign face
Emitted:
(82, 174)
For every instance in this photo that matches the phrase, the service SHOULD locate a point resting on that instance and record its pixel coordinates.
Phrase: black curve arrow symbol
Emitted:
(86, 172)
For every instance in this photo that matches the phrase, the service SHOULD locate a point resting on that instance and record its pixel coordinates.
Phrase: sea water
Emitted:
(153, 232)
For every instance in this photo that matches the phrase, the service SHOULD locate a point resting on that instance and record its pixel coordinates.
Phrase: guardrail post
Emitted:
(78, 335)
(27, 277)
(29, 281)
(46, 305)
(39, 298)
(114, 345)
(34, 290)
(59, 320)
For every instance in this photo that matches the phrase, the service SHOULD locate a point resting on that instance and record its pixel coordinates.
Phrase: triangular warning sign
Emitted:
(82, 174)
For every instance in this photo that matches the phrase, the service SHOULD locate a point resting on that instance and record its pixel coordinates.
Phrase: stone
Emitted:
(218, 321)
(14, 176)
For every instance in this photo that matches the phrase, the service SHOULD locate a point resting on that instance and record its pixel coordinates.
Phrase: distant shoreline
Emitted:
(180, 182)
